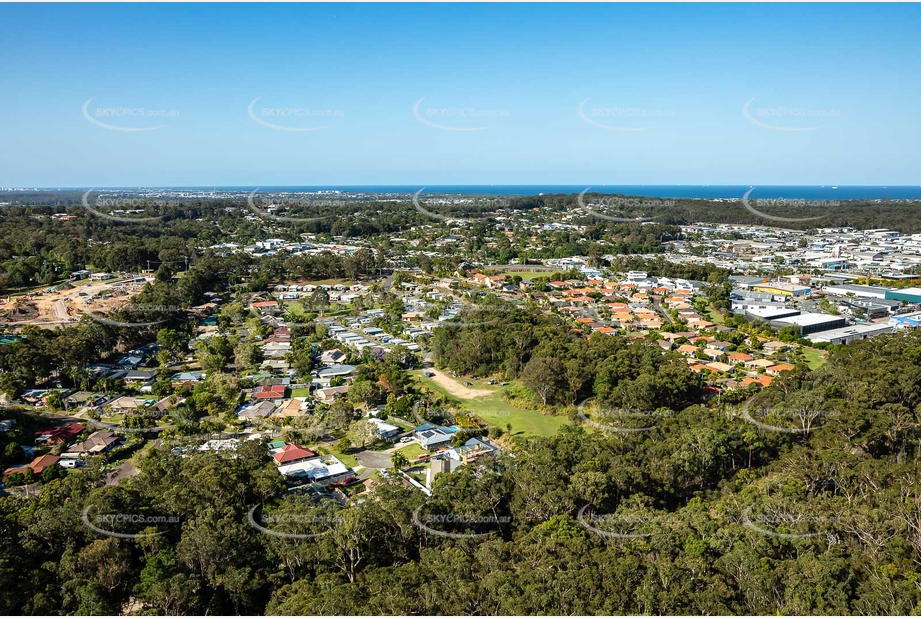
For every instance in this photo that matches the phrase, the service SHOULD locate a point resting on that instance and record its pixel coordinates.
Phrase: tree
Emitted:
(319, 300)
(544, 376)
(362, 433)
(398, 461)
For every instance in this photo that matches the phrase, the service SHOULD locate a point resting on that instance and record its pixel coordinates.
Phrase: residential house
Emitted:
(256, 410)
(775, 370)
(385, 430)
(331, 393)
(740, 357)
(291, 407)
(291, 454)
(39, 464)
(84, 399)
(332, 357)
(187, 378)
(431, 437)
(760, 363)
(59, 435)
(270, 392)
(764, 381)
(472, 449)
(325, 375)
(125, 404)
(323, 471)
(97, 442)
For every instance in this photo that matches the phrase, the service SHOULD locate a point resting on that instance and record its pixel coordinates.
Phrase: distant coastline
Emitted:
(804, 192)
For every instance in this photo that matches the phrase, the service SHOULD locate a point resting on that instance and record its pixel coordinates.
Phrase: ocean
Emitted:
(804, 192)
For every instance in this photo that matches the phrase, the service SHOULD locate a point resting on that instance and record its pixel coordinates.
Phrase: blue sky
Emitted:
(835, 87)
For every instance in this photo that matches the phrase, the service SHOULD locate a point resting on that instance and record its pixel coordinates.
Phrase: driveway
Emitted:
(121, 472)
(374, 459)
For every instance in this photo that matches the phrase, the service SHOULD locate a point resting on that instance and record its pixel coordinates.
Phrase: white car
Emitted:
(406, 439)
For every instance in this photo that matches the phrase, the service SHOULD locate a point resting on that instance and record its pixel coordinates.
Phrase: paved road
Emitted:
(123, 471)
(374, 459)
(658, 307)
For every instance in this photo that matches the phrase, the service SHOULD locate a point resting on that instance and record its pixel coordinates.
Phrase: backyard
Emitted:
(493, 409)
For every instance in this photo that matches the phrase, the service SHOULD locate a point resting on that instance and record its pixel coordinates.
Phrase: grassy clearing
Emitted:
(349, 460)
(528, 275)
(412, 451)
(295, 307)
(400, 424)
(497, 412)
(714, 315)
(300, 392)
(327, 282)
(814, 358)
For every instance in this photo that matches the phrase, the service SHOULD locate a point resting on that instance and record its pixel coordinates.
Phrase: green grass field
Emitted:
(496, 411)
(350, 460)
(527, 275)
(295, 307)
(401, 425)
(715, 316)
(814, 358)
(300, 392)
(412, 451)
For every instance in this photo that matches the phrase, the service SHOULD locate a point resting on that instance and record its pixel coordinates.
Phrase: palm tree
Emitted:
(398, 461)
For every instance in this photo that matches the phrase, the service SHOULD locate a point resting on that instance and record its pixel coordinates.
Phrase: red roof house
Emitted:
(292, 453)
(273, 391)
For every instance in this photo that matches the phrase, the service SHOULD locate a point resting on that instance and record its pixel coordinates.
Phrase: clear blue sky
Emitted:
(851, 71)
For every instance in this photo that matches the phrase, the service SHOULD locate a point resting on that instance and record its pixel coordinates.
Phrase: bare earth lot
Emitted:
(457, 389)
(65, 304)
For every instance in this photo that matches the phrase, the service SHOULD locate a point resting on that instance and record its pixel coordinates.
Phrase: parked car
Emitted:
(406, 439)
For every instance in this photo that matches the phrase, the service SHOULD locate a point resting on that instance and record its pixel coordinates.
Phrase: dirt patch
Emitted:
(457, 389)
(67, 302)
(19, 311)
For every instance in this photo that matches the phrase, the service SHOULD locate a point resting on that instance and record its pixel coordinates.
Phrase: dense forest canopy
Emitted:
(39, 246)
(706, 512)
(801, 498)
